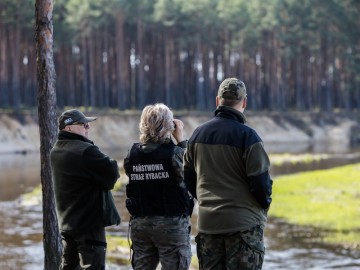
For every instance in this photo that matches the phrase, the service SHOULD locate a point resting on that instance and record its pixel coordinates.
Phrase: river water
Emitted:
(21, 221)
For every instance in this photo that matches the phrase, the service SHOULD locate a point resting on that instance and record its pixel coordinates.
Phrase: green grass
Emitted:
(33, 197)
(115, 241)
(326, 199)
(279, 159)
(118, 250)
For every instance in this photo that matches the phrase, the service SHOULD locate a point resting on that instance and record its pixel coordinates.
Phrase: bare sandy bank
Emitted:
(280, 132)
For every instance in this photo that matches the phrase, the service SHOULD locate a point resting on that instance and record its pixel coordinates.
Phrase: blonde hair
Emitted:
(156, 123)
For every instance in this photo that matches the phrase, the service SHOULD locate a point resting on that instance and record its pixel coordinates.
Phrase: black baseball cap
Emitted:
(73, 116)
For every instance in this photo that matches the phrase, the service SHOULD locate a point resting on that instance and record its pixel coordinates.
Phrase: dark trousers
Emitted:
(84, 251)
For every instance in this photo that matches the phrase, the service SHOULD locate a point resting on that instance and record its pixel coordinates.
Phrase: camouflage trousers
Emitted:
(160, 239)
(232, 251)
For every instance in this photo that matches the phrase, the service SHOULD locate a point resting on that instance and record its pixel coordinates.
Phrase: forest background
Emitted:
(292, 55)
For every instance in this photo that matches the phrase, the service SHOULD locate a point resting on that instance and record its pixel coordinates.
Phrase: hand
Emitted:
(178, 132)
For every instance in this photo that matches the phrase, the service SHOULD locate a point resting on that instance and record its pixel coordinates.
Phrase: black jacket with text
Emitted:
(156, 186)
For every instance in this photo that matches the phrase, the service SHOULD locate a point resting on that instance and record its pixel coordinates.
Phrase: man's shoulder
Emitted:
(81, 143)
(224, 125)
(224, 131)
(206, 124)
(73, 145)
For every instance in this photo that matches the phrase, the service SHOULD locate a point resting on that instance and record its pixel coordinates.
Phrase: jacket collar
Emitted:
(151, 146)
(64, 135)
(230, 113)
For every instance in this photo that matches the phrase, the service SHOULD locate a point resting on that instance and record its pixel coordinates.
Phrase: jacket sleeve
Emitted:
(127, 163)
(257, 169)
(177, 164)
(190, 177)
(103, 169)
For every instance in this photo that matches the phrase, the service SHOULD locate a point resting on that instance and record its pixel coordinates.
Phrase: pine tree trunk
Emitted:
(208, 93)
(167, 63)
(105, 83)
(140, 76)
(85, 71)
(47, 128)
(15, 64)
(274, 73)
(123, 78)
(199, 77)
(92, 53)
(4, 85)
(299, 93)
(70, 73)
(284, 86)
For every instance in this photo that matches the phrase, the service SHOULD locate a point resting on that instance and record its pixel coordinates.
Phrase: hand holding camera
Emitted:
(178, 131)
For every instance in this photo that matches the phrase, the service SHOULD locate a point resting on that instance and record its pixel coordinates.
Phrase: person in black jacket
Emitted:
(83, 177)
(157, 198)
(227, 169)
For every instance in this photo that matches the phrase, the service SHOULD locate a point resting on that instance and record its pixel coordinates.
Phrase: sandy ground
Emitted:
(111, 131)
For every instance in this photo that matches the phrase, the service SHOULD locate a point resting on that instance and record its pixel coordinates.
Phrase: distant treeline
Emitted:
(292, 55)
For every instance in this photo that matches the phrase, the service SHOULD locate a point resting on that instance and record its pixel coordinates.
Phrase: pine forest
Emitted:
(292, 55)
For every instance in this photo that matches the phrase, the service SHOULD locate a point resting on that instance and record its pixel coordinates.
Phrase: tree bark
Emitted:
(208, 95)
(15, 64)
(70, 72)
(105, 71)
(4, 82)
(47, 128)
(140, 76)
(122, 94)
(167, 65)
(200, 91)
(85, 71)
(92, 53)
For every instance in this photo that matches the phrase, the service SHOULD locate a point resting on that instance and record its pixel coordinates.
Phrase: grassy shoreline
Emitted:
(327, 200)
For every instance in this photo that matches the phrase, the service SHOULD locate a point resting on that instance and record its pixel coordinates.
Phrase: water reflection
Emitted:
(19, 174)
(330, 161)
(288, 247)
(295, 247)
(331, 147)
(21, 237)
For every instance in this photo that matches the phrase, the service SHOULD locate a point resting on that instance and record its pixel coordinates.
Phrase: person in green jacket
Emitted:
(83, 177)
(226, 168)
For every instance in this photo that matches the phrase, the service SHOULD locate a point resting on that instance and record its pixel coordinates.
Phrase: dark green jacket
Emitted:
(81, 173)
(227, 169)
